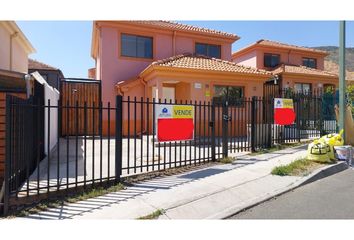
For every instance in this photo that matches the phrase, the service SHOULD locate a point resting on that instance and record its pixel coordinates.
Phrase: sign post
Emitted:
(174, 122)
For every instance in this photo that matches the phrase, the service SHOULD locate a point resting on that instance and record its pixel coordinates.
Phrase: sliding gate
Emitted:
(124, 143)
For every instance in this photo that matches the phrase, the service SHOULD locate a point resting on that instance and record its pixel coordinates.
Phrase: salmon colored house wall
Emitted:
(255, 57)
(112, 68)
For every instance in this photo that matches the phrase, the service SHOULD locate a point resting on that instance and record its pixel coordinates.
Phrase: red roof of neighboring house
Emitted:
(275, 44)
(34, 64)
(298, 69)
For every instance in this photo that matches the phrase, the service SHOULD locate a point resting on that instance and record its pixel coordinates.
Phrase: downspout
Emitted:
(12, 36)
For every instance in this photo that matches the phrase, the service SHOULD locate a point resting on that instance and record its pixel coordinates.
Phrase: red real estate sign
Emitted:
(284, 113)
(174, 122)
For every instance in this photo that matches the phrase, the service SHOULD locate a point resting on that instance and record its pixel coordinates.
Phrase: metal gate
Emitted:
(221, 127)
(80, 92)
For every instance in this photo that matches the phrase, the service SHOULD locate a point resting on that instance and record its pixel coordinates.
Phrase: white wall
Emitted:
(53, 95)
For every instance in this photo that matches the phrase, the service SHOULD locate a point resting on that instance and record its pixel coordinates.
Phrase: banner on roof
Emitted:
(174, 122)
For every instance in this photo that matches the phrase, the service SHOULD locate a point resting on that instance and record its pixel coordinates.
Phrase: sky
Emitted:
(67, 44)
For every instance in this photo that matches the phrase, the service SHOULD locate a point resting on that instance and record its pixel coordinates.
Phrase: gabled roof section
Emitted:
(14, 30)
(37, 65)
(198, 62)
(278, 45)
(298, 69)
(185, 27)
(167, 25)
(34, 64)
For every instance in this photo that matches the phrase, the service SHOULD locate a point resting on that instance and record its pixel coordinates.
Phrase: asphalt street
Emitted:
(329, 198)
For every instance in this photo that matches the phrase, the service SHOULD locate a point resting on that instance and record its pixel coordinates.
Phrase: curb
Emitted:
(316, 175)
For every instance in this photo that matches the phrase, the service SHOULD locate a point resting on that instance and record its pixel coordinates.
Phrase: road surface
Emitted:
(328, 198)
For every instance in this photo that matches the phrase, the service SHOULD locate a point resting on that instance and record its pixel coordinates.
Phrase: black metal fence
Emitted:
(125, 143)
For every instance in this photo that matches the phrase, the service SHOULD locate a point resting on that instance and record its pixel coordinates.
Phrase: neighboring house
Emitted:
(161, 59)
(51, 74)
(14, 51)
(297, 67)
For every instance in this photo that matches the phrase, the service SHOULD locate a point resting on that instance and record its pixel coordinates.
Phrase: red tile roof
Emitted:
(185, 27)
(189, 61)
(34, 64)
(298, 69)
(270, 43)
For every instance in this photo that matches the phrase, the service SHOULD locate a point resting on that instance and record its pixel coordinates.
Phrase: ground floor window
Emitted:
(233, 94)
(302, 87)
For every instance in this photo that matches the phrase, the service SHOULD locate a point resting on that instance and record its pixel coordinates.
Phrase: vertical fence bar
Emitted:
(101, 133)
(153, 134)
(93, 142)
(158, 146)
(119, 138)
(253, 122)
(135, 136)
(85, 142)
(76, 141)
(8, 158)
(108, 140)
(67, 144)
(212, 125)
(225, 129)
(141, 133)
(48, 145)
(58, 141)
(128, 137)
(147, 132)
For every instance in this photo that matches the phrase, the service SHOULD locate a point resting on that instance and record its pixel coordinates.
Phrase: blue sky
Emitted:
(67, 44)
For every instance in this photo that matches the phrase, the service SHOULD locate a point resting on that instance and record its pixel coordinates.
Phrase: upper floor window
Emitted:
(208, 50)
(309, 62)
(136, 46)
(271, 60)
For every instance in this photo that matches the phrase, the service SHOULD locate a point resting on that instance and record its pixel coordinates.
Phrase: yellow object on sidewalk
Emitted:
(318, 151)
(333, 140)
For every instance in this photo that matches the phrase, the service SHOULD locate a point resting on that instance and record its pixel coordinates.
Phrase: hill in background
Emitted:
(331, 61)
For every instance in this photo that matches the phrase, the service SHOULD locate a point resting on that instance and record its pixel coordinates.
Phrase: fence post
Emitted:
(253, 124)
(8, 154)
(321, 124)
(212, 125)
(119, 138)
(225, 129)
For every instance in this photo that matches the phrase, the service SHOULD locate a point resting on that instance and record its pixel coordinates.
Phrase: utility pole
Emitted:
(342, 102)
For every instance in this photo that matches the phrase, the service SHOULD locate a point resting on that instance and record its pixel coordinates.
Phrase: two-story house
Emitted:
(14, 51)
(161, 59)
(299, 68)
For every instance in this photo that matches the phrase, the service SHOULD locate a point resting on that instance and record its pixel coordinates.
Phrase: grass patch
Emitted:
(277, 148)
(84, 195)
(153, 215)
(227, 160)
(301, 167)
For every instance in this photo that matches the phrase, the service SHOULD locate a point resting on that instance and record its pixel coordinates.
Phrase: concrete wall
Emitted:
(19, 55)
(51, 77)
(51, 94)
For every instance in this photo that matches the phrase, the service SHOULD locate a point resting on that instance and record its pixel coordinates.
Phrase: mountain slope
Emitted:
(331, 61)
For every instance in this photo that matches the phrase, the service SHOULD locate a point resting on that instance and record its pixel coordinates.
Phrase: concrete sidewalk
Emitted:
(211, 192)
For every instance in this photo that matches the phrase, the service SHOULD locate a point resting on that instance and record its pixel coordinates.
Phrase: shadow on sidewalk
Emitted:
(68, 211)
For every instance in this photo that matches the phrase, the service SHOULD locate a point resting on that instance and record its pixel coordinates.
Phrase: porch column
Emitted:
(159, 89)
